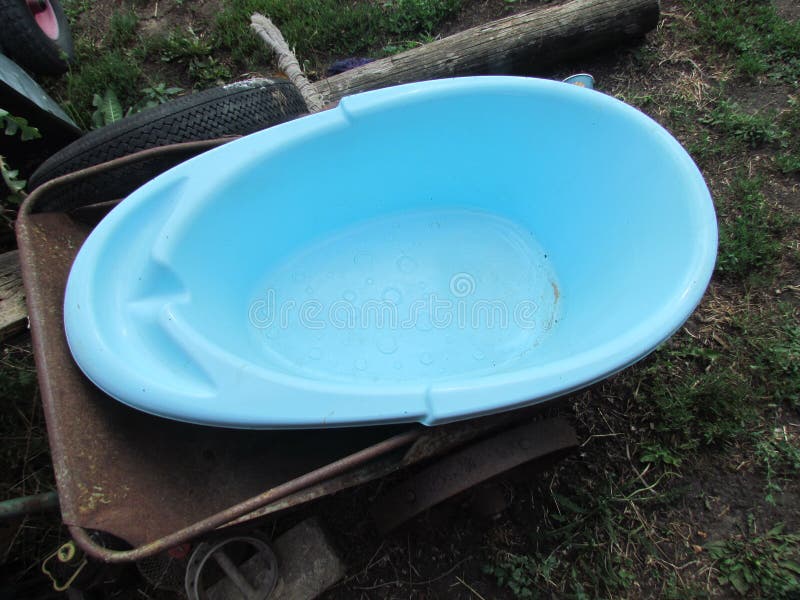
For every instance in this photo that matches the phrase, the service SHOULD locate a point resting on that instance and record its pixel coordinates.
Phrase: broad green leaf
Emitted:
(790, 566)
(738, 583)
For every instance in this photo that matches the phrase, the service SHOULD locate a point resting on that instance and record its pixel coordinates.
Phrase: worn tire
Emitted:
(42, 44)
(235, 109)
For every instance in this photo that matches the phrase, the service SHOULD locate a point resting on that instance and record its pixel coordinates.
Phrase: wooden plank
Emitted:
(13, 312)
(520, 43)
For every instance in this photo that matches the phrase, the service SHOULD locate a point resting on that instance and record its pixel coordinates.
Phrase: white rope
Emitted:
(287, 62)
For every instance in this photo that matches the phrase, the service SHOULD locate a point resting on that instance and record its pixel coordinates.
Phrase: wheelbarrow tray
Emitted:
(154, 482)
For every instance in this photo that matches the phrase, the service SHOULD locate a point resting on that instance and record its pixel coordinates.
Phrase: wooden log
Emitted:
(523, 43)
(13, 312)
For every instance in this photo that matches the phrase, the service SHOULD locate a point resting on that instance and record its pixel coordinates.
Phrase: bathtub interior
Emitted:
(541, 225)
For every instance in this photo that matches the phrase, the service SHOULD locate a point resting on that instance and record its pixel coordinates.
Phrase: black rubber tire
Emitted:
(28, 45)
(234, 109)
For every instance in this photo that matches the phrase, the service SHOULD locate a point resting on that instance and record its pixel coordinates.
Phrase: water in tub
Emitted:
(416, 296)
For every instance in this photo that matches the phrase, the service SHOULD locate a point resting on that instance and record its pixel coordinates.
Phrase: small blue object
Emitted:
(504, 241)
(581, 80)
(340, 66)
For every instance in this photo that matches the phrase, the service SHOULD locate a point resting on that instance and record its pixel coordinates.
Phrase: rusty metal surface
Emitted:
(153, 482)
(124, 472)
(469, 466)
(228, 515)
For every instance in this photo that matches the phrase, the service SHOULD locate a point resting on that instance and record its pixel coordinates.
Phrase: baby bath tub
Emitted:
(428, 252)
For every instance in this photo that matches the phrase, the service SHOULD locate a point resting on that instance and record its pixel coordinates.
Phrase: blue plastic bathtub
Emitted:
(428, 252)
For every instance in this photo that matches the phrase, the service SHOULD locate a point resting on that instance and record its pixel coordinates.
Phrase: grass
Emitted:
(751, 130)
(748, 240)
(759, 40)
(194, 51)
(581, 546)
(122, 28)
(318, 29)
(788, 159)
(100, 70)
(724, 393)
(766, 565)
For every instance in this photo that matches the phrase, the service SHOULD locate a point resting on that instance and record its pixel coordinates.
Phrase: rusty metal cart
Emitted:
(154, 484)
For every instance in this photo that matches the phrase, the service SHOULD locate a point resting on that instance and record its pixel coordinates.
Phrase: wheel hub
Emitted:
(45, 17)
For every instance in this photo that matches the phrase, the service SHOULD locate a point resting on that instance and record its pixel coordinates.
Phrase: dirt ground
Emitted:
(657, 547)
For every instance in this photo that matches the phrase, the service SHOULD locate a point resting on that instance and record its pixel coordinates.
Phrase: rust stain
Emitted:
(556, 293)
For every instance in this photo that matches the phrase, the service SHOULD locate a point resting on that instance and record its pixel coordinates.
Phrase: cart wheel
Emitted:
(35, 33)
(254, 577)
(234, 109)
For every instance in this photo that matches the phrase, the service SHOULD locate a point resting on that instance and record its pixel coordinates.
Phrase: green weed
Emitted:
(583, 552)
(185, 45)
(762, 42)
(209, 72)
(108, 110)
(158, 94)
(122, 29)
(12, 125)
(100, 70)
(195, 51)
(759, 565)
(788, 159)
(321, 28)
(747, 241)
(75, 8)
(747, 129)
(788, 162)
(780, 459)
(520, 573)
(771, 341)
(688, 413)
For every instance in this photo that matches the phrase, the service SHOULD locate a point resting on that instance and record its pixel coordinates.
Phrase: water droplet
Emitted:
(393, 295)
(387, 344)
(361, 364)
(349, 295)
(315, 354)
(309, 290)
(425, 358)
(406, 264)
(435, 225)
(478, 355)
(398, 365)
(370, 281)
